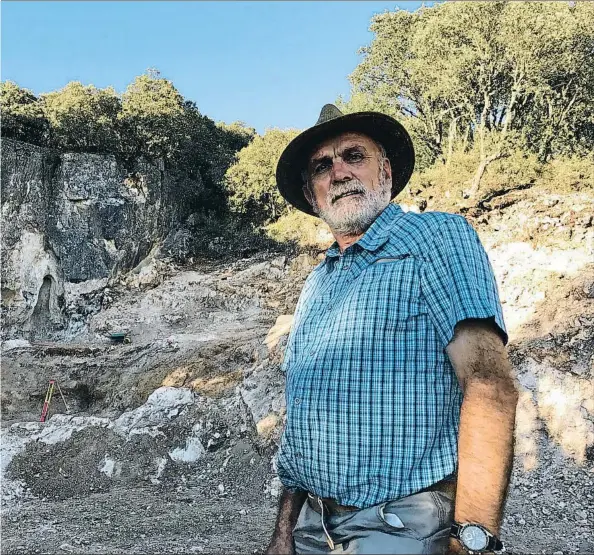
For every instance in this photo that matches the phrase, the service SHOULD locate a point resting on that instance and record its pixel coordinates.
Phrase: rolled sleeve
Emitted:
(458, 281)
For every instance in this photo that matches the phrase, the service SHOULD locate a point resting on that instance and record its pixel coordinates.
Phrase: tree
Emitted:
(251, 181)
(207, 149)
(83, 118)
(491, 75)
(152, 118)
(229, 139)
(360, 102)
(550, 49)
(22, 115)
(236, 135)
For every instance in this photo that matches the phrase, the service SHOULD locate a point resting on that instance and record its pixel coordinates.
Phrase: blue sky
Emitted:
(269, 64)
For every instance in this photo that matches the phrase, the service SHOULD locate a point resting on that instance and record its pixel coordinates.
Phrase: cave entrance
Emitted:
(41, 323)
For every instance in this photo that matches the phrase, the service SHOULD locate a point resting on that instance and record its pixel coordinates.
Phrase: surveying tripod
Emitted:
(48, 398)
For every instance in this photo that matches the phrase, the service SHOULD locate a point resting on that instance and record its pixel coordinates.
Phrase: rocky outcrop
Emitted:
(76, 218)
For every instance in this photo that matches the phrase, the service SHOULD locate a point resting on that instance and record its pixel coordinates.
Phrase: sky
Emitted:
(268, 64)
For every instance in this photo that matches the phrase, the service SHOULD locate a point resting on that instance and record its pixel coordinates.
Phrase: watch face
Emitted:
(474, 537)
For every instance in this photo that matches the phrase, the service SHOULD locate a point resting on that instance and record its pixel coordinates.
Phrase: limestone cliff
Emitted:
(72, 220)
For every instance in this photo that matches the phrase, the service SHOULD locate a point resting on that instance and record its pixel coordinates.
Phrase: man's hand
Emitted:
(455, 548)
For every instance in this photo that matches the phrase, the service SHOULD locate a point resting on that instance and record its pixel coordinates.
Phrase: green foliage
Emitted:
(152, 118)
(22, 114)
(227, 141)
(82, 118)
(496, 75)
(251, 181)
(550, 47)
(237, 134)
(206, 150)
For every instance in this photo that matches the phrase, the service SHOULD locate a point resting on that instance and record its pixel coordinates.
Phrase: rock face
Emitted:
(73, 218)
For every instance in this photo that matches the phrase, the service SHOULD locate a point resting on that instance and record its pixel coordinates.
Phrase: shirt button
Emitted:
(312, 352)
(298, 455)
(346, 266)
(297, 401)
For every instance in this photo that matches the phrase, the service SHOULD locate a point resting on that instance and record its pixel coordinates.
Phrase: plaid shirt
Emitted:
(373, 403)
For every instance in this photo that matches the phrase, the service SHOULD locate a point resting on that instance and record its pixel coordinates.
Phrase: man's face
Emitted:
(349, 182)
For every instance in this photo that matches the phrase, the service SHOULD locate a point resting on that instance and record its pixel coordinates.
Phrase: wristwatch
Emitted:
(476, 538)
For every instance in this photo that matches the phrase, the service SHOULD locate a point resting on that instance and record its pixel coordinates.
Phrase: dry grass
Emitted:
(443, 187)
(308, 232)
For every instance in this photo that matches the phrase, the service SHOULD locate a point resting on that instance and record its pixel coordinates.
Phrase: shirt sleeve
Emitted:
(458, 281)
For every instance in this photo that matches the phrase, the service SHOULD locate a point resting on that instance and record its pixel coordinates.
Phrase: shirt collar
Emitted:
(376, 235)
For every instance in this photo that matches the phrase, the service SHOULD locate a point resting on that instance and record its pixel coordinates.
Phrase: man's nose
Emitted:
(340, 170)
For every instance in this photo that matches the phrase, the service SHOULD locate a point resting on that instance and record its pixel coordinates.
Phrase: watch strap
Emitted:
(493, 543)
(455, 530)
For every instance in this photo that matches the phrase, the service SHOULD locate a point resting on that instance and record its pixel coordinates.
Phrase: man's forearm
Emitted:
(485, 451)
(289, 508)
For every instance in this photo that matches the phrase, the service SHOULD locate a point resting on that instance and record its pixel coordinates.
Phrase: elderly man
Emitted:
(400, 398)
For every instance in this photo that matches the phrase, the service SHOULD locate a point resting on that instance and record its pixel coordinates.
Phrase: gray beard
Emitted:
(361, 211)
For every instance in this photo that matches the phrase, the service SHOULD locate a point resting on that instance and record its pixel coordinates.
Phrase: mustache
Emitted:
(340, 191)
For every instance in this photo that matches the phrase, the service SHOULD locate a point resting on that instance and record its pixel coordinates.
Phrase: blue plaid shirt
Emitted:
(373, 403)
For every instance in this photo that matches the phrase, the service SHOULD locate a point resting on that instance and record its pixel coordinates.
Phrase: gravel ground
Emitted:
(143, 520)
(550, 510)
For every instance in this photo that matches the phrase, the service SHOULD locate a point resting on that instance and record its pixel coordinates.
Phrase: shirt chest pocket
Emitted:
(388, 293)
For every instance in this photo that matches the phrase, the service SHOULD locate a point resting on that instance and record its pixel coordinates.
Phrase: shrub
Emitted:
(83, 118)
(570, 174)
(251, 181)
(303, 229)
(444, 187)
(22, 114)
(152, 118)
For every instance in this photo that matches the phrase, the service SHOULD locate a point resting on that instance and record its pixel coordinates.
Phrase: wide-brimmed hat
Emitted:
(380, 127)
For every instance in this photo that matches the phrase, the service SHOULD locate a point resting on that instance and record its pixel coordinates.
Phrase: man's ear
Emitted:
(307, 192)
(387, 168)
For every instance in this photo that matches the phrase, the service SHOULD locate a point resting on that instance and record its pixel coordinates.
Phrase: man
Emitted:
(400, 398)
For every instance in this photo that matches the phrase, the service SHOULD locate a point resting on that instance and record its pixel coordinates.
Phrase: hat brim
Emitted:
(382, 128)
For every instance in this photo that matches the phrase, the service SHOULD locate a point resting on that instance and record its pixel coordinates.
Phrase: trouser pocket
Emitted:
(420, 515)
(389, 518)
